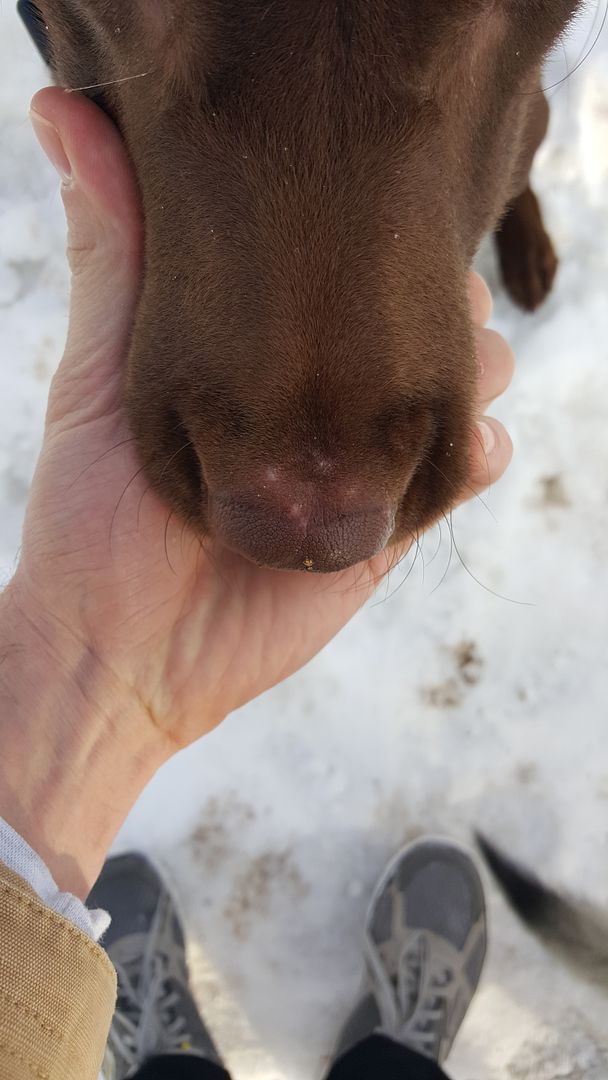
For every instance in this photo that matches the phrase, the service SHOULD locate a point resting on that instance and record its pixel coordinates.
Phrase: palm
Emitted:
(193, 631)
(191, 628)
(181, 621)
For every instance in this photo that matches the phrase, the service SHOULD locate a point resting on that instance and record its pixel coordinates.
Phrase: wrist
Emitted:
(77, 747)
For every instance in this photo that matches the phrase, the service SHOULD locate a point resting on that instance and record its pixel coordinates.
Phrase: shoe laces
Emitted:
(147, 1016)
(424, 994)
(418, 998)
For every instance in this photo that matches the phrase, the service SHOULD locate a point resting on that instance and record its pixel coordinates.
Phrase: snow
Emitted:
(441, 708)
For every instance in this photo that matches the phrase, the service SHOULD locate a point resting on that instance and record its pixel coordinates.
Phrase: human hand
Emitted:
(193, 632)
(164, 636)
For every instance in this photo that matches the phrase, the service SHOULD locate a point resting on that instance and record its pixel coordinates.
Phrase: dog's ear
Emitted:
(542, 17)
(537, 25)
(70, 46)
(501, 41)
(34, 23)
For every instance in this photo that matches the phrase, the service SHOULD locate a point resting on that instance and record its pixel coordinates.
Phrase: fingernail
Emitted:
(488, 436)
(49, 139)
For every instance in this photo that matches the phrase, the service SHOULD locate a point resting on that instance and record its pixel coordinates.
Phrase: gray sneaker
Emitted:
(155, 1012)
(425, 944)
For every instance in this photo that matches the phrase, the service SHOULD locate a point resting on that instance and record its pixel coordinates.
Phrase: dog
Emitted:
(316, 177)
(576, 931)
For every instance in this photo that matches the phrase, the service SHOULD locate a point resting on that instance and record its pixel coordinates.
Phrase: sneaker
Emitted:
(155, 1011)
(425, 944)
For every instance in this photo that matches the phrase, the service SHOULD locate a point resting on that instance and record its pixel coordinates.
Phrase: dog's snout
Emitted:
(301, 527)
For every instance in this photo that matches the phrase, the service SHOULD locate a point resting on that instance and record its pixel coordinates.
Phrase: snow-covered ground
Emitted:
(438, 709)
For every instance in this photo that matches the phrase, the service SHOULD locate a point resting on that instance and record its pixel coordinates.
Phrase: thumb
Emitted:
(101, 200)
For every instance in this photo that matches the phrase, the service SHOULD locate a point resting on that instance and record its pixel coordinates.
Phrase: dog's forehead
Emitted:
(279, 44)
(189, 40)
(231, 24)
(256, 20)
(355, 22)
(308, 45)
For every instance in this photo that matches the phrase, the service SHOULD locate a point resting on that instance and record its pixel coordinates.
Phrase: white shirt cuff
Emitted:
(23, 860)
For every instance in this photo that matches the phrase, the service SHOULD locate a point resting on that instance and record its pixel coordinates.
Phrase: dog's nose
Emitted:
(303, 530)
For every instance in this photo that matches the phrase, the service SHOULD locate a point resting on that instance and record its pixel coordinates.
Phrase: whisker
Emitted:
(436, 551)
(205, 546)
(172, 458)
(389, 568)
(110, 450)
(124, 492)
(147, 488)
(150, 486)
(363, 575)
(166, 547)
(201, 551)
(447, 569)
(499, 596)
(111, 82)
(354, 587)
(469, 487)
(401, 560)
(419, 546)
(580, 63)
(181, 538)
(393, 561)
(565, 52)
(477, 436)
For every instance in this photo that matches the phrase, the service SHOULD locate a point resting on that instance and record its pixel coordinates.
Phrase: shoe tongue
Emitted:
(130, 951)
(426, 905)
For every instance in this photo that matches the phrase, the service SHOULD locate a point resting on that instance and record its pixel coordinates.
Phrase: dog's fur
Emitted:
(316, 176)
(574, 929)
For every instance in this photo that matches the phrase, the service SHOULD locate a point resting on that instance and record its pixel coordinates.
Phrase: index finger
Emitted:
(480, 299)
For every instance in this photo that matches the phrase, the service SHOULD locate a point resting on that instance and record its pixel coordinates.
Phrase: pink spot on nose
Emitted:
(303, 521)
(322, 465)
(299, 514)
(271, 475)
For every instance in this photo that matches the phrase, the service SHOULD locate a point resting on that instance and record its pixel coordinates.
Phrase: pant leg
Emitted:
(180, 1067)
(380, 1058)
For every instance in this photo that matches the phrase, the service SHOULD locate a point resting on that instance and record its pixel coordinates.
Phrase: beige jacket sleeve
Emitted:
(57, 991)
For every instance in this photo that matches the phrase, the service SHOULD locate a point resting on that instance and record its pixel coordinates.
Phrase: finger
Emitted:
(480, 299)
(496, 365)
(101, 200)
(491, 453)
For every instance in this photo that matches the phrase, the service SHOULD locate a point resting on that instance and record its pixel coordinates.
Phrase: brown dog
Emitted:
(316, 176)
